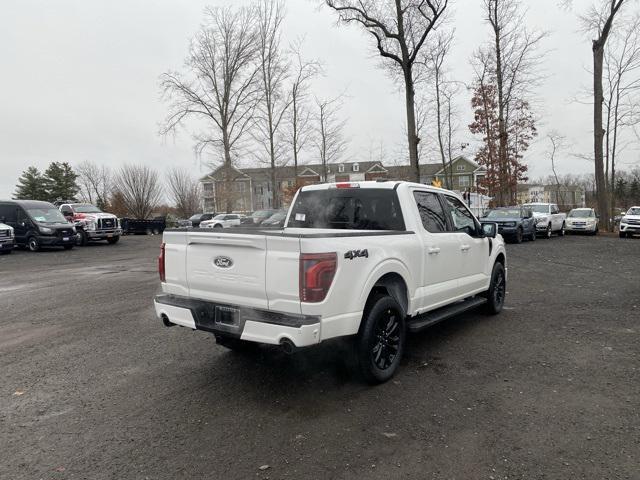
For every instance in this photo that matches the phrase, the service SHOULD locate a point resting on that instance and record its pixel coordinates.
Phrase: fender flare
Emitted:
(388, 266)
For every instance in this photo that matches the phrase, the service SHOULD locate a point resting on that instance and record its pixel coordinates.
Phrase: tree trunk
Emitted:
(612, 185)
(598, 134)
(439, 120)
(412, 136)
(295, 137)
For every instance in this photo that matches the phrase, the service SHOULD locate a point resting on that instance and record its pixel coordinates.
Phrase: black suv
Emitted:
(37, 224)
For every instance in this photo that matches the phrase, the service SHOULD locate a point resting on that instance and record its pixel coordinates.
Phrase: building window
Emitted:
(460, 168)
(463, 181)
(341, 168)
(356, 167)
(207, 187)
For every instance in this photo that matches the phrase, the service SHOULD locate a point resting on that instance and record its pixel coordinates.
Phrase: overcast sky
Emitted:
(79, 80)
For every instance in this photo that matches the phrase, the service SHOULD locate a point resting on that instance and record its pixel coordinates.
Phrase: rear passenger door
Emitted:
(441, 252)
(473, 247)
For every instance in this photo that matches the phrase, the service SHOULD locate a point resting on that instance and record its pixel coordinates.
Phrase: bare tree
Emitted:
(139, 188)
(557, 143)
(95, 183)
(184, 191)
(221, 88)
(400, 29)
(622, 99)
(276, 97)
(598, 21)
(301, 128)
(515, 59)
(433, 60)
(329, 133)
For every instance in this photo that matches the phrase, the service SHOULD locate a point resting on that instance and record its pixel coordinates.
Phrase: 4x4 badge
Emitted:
(223, 262)
(351, 254)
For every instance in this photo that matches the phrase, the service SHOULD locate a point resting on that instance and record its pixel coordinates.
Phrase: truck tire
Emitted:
(113, 240)
(33, 244)
(548, 232)
(380, 342)
(519, 235)
(562, 230)
(82, 238)
(497, 290)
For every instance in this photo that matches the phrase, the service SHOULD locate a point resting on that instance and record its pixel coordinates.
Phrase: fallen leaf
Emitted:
(263, 467)
(17, 393)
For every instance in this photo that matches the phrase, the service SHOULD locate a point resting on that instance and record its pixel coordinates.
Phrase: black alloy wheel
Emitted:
(381, 340)
(497, 290)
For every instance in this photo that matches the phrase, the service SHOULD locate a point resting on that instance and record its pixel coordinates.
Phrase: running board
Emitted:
(436, 316)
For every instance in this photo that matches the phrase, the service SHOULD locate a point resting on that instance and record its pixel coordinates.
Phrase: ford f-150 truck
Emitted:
(370, 260)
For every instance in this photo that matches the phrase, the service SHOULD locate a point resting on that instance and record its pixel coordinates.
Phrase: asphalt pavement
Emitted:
(92, 386)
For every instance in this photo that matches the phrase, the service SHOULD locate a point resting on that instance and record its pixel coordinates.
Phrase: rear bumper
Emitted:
(249, 324)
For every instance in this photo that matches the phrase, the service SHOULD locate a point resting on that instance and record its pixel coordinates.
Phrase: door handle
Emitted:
(433, 250)
(465, 248)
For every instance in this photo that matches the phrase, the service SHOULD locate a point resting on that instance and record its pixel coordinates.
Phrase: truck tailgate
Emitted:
(234, 268)
(227, 268)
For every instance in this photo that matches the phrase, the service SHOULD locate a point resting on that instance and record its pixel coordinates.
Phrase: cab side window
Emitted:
(461, 217)
(431, 212)
(555, 209)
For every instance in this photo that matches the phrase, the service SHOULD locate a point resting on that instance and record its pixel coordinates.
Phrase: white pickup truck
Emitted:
(548, 218)
(370, 260)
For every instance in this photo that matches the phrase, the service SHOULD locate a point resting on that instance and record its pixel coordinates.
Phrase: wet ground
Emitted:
(93, 386)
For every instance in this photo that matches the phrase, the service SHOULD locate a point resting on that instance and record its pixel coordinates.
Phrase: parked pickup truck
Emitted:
(7, 239)
(371, 260)
(548, 218)
(91, 223)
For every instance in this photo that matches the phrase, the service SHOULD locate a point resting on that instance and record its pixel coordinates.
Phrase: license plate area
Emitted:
(227, 318)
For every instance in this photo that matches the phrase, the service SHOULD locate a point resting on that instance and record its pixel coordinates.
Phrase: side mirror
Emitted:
(489, 229)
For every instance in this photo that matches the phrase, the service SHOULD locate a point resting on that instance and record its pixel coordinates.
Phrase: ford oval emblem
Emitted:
(223, 262)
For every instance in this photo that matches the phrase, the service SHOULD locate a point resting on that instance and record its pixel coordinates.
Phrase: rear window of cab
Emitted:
(347, 209)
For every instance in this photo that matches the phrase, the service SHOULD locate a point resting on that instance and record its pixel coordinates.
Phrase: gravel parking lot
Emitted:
(93, 386)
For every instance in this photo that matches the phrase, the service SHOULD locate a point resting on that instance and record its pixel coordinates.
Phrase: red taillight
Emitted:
(347, 185)
(163, 276)
(316, 275)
